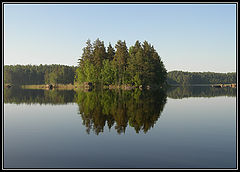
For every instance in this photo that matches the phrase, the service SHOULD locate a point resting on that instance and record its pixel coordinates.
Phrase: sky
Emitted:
(187, 37)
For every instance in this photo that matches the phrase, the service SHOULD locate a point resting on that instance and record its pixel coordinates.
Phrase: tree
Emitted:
(90, 71)
(120, 60)
(108, 72)
(145, 66)
(110, 52)
(99, 53)
(53, 78)
(87, 52)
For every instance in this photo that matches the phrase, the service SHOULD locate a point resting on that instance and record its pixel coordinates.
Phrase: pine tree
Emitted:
(99, 53)
(110, 52)
(87, 52)
(120, 60)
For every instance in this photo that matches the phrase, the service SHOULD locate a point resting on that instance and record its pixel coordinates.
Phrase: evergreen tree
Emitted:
(110, 52)
(99, 53)
(87, 52)
(90, 72)
(120, 60)
(144, 65)
(108, 72)
(156, 72)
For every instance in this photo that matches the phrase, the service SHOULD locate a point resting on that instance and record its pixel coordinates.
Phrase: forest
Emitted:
(41, 74)
(190, 78)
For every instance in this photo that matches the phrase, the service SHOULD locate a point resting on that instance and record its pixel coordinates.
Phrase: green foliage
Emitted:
(120, 61)
(108, 72)
(42, 74)
(99, 53)
(87, 51)
(187, 78)
(110, 52)
(90, 71)
(140, 65)
(145, 66)
(80, 76)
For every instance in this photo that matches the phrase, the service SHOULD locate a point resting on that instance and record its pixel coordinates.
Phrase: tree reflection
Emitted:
(31, 96)
(199, 91)
(114, 108)
(139, 109)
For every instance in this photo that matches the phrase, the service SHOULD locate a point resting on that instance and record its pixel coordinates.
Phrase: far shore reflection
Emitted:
(31, 96)
(178, 92)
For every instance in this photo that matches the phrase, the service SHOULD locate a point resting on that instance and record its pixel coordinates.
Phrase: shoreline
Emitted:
(111, 87)
(89, 87)
(46, 87)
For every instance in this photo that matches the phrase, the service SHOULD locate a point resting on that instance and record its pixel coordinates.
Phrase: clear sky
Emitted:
(188, 37)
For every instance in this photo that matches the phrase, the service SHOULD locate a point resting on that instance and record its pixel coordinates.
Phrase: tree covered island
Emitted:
(140, 65)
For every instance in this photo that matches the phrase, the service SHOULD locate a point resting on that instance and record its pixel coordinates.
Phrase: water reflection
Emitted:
(49, 136)
(139, 109)
(200, 91)
(32, 96)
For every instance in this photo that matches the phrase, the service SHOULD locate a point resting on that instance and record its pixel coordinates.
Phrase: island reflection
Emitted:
(138, 109)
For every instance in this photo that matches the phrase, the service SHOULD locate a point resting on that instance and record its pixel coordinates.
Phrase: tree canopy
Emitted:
(138, 65)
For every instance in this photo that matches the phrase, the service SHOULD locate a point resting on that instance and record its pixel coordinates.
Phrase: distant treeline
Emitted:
(188, 78)
(62, 74)
(41, 74)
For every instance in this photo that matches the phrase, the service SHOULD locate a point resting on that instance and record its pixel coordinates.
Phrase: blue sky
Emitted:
(188, 37)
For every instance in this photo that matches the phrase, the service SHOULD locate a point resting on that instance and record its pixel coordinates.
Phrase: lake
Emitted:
(183, 127)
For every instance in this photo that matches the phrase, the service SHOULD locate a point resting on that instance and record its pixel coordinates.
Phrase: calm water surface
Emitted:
(184, 127)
